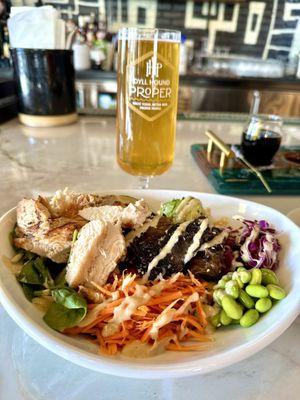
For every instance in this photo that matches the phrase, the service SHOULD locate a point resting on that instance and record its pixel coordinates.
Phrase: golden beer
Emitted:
(147, 101)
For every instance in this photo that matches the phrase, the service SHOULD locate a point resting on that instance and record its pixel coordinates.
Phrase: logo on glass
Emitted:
(153, 67)
(149, 86)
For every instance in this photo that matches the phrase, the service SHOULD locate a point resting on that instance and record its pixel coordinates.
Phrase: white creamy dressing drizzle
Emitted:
(196, 241)
(136, 233)
(170, 313)
(93, 313)
(125, 310)
(127, 281)
(166, 249)
(187, 206)
(218, 239)
(180, 209)
(115, 295)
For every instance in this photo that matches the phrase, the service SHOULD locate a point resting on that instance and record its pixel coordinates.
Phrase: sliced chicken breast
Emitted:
(48, 237)
(131, 216)
(68, 203)
(32, 215)
(55, 244)
(95, 254)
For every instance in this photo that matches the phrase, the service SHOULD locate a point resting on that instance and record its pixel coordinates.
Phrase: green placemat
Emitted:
(283, 176)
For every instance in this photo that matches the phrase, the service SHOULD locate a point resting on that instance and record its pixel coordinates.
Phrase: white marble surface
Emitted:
(82, 156)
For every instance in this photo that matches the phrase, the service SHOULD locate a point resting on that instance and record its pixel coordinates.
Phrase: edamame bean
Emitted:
(218, 295)
(240, 269)
(224, 319)
(215, 320)
(257, 291)
(231, 307)
(276, 292)
(226, 278)
(245, 276)
(235, 321)
(222, 283)
(256, 276)
(237, 279)
(246, 300)
(249, 318)
(269, 277)
(232, 288)
(263, 305)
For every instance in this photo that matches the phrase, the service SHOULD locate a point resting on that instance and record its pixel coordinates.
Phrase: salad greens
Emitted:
(169, 208)
(67, 310)
(181, 210)
(35, 272)
(68, 307)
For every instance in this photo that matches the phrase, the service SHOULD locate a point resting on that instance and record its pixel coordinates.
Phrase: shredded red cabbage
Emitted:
(259, 246)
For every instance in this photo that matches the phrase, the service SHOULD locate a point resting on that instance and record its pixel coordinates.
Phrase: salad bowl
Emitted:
(232, 344)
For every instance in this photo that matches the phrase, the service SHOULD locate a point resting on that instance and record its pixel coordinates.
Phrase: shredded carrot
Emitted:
(173, 315)
(167, 298)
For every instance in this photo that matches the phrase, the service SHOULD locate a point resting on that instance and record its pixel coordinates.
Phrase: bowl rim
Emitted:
(141, 370)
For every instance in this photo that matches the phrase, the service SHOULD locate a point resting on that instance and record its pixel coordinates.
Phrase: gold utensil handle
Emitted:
(219, 143)
(227, 152)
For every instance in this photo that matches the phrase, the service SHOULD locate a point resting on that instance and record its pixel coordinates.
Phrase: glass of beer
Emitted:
(148, 63)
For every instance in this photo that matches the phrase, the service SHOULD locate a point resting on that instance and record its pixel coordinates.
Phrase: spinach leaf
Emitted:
(60, 280)
(40, 266)
(68, 309)
(35, 272)
(168, 208)
(29, 274)
(42, 292)
(59, 317)
(28, 291)
(28, 256)
(69, 298)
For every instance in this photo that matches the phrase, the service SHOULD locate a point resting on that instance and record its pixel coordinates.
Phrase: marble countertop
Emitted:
(82, 157)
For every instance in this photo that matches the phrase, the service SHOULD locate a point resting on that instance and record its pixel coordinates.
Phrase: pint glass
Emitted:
(148, 61)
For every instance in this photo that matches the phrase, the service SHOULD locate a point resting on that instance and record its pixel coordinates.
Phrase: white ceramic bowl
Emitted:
(231, 345)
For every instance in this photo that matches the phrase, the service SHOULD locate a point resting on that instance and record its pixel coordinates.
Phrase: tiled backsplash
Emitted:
(266, 28)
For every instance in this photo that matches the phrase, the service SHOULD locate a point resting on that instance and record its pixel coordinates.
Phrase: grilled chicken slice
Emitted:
(46, 227)
(68, 203)
(55, 244)
(100, 245)
(32, 215)
(48, 237)
(131, 216)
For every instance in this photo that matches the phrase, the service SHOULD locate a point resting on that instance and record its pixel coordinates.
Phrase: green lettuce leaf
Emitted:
(28, 291)
(68, 309)
(60, 280)
(59, 317)
(29, 274)
(168, 209)
(182, 210)
(39, 264)
(35, 272)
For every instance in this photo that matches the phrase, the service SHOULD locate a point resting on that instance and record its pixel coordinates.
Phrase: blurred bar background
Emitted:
(229, 50)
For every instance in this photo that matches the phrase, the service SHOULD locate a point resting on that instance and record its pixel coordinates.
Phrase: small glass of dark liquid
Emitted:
(261, 139)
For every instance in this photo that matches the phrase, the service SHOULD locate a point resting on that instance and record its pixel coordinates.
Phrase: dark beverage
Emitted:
(261, 150)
